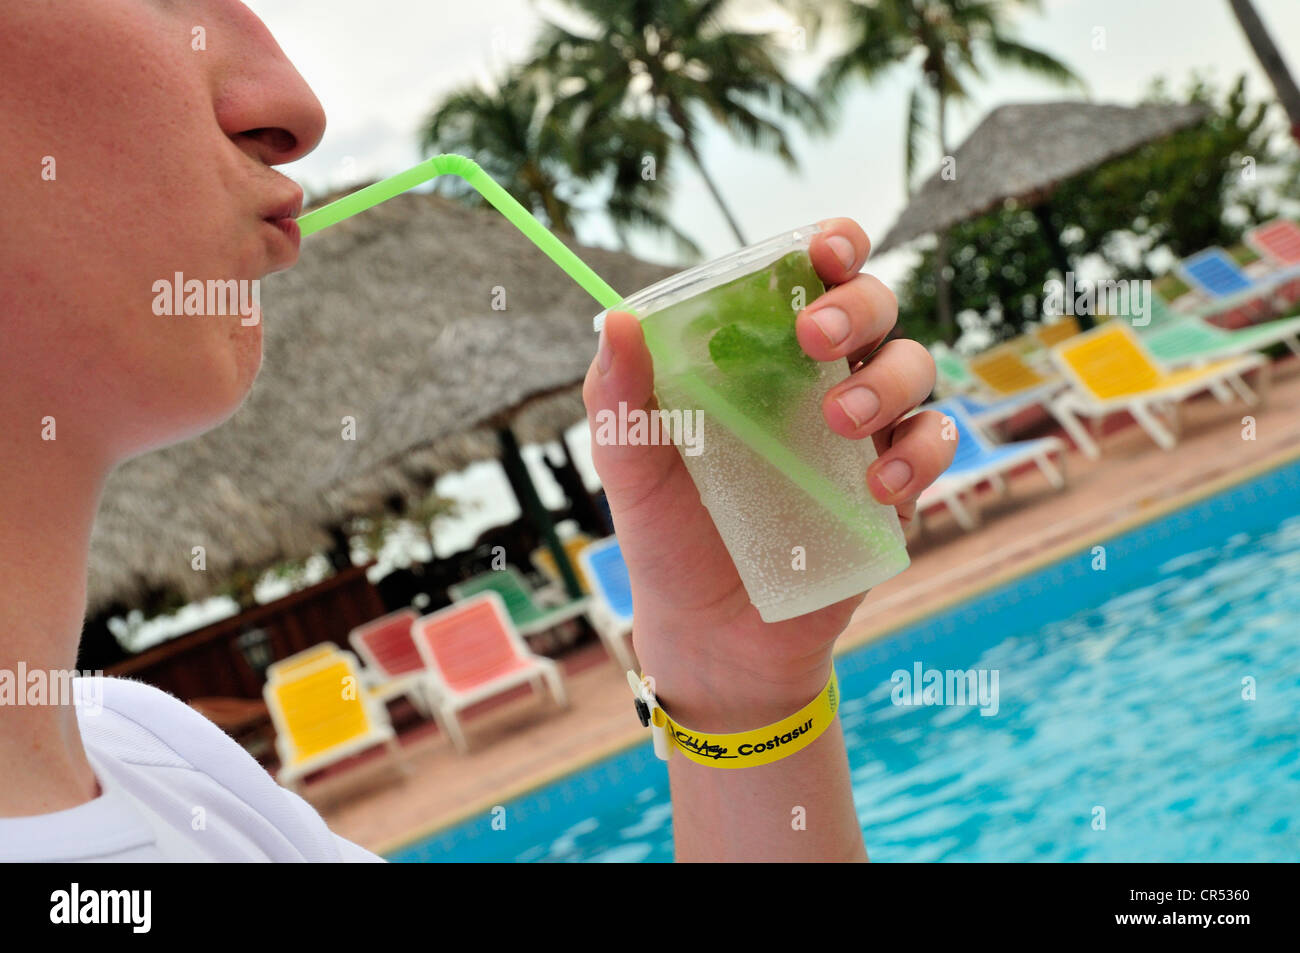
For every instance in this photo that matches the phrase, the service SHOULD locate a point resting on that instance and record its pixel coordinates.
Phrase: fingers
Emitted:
(897, 378)
(848, 321)
(622, 373)
(839, 250)
(917, 453)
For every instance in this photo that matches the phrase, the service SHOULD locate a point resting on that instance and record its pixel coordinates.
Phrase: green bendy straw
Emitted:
(501, 200)
(809, 480)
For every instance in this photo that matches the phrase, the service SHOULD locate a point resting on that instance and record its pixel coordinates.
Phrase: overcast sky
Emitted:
(378, 66)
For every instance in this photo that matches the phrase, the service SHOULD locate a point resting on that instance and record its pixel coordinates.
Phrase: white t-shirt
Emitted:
(174, 787)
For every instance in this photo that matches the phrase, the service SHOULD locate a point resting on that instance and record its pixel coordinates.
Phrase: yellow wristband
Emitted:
(741, 749)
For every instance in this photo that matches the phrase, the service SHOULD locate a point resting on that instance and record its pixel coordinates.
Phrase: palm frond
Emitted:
(916, 127)
(1012, 53)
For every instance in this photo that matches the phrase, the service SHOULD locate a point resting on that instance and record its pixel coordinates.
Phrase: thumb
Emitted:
(620, 387)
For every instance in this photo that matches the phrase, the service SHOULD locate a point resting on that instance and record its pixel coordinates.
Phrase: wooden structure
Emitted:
(228, 659)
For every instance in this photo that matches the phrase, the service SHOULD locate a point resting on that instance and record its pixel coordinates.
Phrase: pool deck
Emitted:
(528, 741)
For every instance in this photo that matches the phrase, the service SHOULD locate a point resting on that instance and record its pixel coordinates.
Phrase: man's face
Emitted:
(138, 137)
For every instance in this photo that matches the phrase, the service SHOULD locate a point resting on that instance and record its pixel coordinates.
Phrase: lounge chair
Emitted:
(1050, 335)
(611, 607)
(393, 663)
(1159, 313)
(322, 714)
(952, 376)
(949, 494)
(307, 656)
(1227, 288)
(527, 614)
(1013, 382)
(1110, 370)
(1278, 241)
(544, 560)
(1194, 341)
(473, 652)
(979, 460)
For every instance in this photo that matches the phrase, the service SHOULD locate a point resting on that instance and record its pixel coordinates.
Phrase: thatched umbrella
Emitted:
(388, 320)
(1022, 152)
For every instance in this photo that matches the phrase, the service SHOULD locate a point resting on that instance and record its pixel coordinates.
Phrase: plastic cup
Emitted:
(787, 495)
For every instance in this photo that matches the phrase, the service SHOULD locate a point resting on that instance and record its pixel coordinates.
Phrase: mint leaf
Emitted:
(754, 346)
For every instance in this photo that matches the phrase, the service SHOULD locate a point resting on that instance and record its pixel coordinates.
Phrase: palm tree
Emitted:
(950, 40)
(628, 155)
(664, 61)
(1271, 59)
(508, 131)
(546, 152)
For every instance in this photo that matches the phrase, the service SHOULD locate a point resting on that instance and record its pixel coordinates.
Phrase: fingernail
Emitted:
(605, 355)
(894, 475)
(860, 404)
(833, 322)
(843, 249)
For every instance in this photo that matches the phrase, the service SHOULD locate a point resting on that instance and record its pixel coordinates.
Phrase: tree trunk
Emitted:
(512, 462)
(689, 145)
(1052, 239)
(942, 289)
(1270, 58)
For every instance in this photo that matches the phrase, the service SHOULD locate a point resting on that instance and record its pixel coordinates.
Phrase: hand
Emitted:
(717, 665)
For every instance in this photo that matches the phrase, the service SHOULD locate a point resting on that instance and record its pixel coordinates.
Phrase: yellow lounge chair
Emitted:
(322, 714)
(308, 656)
(1050, 335)
(1111, 370)
(545, 562)
(1004, 371)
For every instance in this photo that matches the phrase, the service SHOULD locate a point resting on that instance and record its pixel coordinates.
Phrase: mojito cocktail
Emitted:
(788, 496)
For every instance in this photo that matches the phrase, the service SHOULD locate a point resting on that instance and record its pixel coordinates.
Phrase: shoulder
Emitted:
(133, 721)
(138, 724)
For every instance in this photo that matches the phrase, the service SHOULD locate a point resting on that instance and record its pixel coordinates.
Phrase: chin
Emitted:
(205, 398)
(247, 343)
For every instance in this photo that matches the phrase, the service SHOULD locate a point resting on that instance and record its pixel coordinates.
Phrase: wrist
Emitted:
(729, 695)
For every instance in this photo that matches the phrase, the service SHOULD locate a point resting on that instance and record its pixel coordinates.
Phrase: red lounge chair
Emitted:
(473, 652)
(393, 663)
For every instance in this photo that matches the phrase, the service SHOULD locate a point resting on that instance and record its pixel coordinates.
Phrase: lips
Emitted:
(283, 217)
(289, 226)
(289, 207)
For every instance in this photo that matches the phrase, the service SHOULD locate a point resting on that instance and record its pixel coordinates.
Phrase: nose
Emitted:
(262, 103)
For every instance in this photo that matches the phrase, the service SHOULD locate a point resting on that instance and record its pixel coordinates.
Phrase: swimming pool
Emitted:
(1122, 697)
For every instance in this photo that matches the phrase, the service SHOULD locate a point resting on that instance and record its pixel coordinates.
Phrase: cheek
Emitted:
(175, 377)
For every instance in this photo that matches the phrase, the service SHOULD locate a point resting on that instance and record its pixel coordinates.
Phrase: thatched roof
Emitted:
(1023, 151)
(388, 319)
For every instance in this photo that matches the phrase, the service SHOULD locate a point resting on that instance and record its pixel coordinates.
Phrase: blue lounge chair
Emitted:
(1219, 278)
(611, 607)
(988, 412)
(1214, 273)
(979, 460)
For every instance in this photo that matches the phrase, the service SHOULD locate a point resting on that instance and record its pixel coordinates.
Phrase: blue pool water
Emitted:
(1120, 689)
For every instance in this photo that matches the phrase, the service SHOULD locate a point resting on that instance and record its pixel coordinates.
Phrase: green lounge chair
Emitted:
(1194, 341)
(952, 374)
(528, 616)
(1159, 313)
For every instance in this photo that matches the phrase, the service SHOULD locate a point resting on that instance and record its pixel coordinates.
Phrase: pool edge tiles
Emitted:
(1067, 582)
